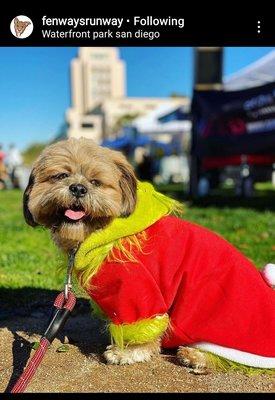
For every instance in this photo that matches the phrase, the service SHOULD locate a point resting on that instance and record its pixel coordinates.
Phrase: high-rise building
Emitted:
(98, 94)
(97, 74)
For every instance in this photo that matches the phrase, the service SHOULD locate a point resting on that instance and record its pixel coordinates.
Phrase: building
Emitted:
(98, 95)
(97, 74)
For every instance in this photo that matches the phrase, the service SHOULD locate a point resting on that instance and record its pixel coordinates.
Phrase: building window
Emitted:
(87, 125)
(100, 56)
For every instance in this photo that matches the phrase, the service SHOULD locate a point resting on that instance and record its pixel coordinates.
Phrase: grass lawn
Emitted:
(28, 258)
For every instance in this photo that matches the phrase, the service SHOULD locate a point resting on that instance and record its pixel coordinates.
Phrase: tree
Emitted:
(123, 120)
(177, 95)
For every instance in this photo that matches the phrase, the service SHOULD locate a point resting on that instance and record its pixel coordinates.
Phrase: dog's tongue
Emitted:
(75, 215)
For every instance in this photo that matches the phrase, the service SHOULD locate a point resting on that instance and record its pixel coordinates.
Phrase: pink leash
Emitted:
(64, 304)
(33, 364)
(63, 309)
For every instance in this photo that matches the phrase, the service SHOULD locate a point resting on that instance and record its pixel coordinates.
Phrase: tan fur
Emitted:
(195, 360)
(20, 26)
(132, 354)
(46, 197)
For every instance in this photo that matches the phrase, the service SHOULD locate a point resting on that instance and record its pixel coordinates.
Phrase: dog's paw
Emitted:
(193, 359)
(128, 355)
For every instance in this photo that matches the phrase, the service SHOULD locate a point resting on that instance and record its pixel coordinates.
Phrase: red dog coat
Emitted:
(212, 293)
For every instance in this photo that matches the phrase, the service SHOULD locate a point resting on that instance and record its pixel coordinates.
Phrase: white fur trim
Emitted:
(252, 360)
(268, 273)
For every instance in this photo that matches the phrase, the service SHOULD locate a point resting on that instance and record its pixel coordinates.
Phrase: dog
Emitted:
(79, 191)
(20, 26)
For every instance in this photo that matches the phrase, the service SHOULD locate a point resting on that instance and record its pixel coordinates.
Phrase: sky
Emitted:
(35, 83)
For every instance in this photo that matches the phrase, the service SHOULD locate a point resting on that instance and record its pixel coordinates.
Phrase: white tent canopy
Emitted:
(150, 124)
(258, 73)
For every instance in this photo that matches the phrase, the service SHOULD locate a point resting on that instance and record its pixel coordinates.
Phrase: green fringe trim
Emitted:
(222, 364)
(151, 206)
(143, 331)
(150, 329)
(106, 252)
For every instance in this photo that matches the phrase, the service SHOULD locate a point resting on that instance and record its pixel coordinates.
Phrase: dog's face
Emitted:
(20, 26)
(77, 187)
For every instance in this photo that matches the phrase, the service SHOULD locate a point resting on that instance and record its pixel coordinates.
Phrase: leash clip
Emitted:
(68, 280)
(67, 289)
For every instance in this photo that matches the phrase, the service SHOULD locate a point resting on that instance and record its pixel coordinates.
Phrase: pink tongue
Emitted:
(75, 215)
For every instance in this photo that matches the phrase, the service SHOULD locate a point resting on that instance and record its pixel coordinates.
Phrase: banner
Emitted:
(231, 125)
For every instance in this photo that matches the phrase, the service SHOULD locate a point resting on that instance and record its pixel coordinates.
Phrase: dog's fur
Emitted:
(111, 192)
(107, 176)
(20, 26)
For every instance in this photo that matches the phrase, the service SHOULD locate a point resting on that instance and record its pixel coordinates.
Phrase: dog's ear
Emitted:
(27, 214)
(127, 183)
(128, 186)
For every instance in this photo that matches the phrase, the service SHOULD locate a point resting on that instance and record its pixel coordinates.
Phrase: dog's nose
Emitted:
(78, 190)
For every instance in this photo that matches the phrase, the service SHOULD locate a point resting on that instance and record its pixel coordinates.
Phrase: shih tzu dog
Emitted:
(89, 198)
(77, 187)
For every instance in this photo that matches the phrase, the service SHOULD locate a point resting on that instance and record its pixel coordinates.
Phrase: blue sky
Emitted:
(35, 92)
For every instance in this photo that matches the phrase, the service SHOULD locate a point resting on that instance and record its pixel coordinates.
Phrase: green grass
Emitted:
(29, 259)
(251, 231)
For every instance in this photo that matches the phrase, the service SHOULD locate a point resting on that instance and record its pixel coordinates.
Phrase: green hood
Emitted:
(151, 206)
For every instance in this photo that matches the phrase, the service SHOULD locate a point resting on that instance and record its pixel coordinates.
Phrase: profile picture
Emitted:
(21, 26)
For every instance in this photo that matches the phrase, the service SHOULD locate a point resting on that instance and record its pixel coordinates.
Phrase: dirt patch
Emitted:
(82, 369)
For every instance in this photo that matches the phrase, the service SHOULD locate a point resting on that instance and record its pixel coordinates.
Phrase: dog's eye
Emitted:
(95, 182)
(61, 176)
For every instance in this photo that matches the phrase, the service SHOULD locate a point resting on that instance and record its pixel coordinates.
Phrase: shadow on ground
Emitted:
(28, 311)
